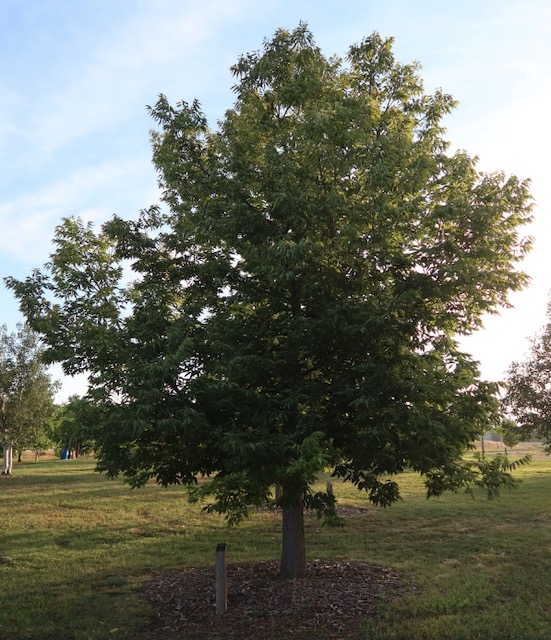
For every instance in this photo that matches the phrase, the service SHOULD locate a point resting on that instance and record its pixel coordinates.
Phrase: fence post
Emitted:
(221, 584)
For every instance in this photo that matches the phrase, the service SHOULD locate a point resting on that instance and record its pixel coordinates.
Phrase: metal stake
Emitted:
(221, 584)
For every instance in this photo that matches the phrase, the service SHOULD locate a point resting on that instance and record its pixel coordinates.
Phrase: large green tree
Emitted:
(26, 392)
(528, 396)
(296, 303)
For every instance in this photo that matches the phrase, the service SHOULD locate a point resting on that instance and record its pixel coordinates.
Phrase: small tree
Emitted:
(73, 425)
(509, 432)
(296, 308)
(26, 391)
(528, 397)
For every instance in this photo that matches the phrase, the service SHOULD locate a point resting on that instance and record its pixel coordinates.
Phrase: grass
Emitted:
(78, 549)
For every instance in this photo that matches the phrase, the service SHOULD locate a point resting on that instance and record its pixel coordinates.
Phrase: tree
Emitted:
(26, 391)
(73, 424)
(296, 306)
(528, 396)
(34, 410)
(508, 432)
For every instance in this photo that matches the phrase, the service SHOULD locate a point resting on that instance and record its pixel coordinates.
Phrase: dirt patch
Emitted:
(330, 603)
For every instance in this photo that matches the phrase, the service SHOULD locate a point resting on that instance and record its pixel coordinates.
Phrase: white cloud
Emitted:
(28, 221)
(128, 68)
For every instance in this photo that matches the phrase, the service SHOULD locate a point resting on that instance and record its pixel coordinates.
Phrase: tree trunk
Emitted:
(293, 551)
(7, 461)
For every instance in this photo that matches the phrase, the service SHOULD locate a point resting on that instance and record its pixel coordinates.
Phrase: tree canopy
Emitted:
(297, 300)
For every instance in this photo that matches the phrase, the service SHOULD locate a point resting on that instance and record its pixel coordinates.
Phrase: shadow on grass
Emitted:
(83, 547)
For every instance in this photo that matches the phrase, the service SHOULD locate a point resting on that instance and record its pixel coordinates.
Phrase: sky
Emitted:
(76, 77)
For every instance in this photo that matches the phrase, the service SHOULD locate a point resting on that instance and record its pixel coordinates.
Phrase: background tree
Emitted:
(296, 306)
(509, 433)
(528, 397)
(27, 392)
(35, 411)
(73, 425)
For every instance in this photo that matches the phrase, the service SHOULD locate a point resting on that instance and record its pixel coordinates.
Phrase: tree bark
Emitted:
(293, 550)
(7, 461)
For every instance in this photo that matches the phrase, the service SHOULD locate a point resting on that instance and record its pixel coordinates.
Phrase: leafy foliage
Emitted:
(296, 306)
(479, 473)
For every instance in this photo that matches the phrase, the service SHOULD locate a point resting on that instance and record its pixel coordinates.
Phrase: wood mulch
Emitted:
(330, 603)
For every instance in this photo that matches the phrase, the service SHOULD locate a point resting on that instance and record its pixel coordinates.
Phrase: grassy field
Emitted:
(76, 551)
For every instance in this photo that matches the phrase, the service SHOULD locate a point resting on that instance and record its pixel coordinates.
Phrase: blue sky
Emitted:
(76, 76)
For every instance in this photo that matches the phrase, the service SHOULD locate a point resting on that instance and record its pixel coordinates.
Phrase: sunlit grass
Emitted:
(77, 550)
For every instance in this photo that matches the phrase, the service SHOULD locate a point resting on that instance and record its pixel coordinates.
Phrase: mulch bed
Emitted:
(330, 603)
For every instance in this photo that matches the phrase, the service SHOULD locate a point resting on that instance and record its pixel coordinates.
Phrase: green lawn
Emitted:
(77, 549)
